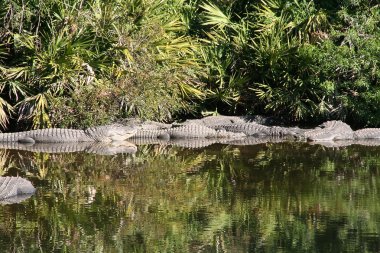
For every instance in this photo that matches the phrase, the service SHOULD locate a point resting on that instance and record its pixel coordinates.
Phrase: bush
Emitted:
(57, 52)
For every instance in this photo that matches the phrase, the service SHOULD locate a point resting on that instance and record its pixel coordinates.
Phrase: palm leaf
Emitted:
(36, 108)
(189, 91)
(215, 17)
(5, 110)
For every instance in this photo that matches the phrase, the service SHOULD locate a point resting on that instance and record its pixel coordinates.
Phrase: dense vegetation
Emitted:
(76, 63)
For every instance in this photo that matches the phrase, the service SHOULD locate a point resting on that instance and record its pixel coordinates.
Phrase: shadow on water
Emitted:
(290, 197)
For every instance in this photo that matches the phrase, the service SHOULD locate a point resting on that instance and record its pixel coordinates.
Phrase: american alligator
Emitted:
(99, 148)
(106, 133)
(189, 131)
(231, 128)
(211, 121)
(249, 125)
(338, 130)
(254, 129)
(367, 133)
(330, 130)
(15, 189)
(214, 127)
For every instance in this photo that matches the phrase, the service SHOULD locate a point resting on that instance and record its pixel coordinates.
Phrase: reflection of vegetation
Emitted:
(4, 167)
(220, 199)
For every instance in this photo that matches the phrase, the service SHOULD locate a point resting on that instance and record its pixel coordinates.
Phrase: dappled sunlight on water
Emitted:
(293, 197)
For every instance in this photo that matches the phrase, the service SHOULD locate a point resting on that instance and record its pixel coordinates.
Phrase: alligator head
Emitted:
(330, 130)
(112, 132)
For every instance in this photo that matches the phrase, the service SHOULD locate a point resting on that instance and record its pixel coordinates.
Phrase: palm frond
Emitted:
(5, 110)
(36, 108)
(215, 17)
(189, 91)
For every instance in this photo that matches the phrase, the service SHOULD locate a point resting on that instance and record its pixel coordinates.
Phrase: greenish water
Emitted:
(284, 197)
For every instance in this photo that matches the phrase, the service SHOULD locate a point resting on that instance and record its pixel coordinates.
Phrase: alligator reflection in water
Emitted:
(132, 146)
(15, 190)
(267, 197)
(69, 147)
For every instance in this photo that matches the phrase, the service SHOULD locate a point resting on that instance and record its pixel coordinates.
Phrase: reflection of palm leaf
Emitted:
(192, 163)
(130, 209)
(4, 154)
(218, 223)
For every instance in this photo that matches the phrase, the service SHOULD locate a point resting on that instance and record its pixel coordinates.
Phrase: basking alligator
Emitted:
(106, 133)
(330, 130)
(230, 128)
(187, 131)
(338, 130)
(215, 127)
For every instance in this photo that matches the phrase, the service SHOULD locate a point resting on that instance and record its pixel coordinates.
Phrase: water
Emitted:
(274, 197)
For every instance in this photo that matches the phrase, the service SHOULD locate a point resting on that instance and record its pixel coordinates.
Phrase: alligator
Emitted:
(106, 133)
(330, 130)
(255, 129)
(248, 125)
(229, 128)
(214, 127)
(15, 189)
(367, 133)
(188, 131)
(338, 130)
(211, 121)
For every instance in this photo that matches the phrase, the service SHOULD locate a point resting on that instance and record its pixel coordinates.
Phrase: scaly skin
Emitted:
(190, 131)
(254, 129)
(367, 133)
(107, 133)
(46, 135)
(209, 128)
(150, 134)
(212, 121)
(330, 130)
